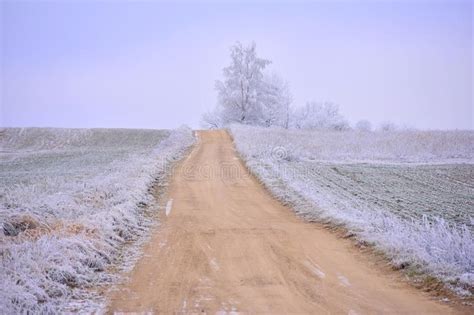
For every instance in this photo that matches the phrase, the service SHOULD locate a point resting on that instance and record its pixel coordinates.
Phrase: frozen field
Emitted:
(69, 200)
(410, 193)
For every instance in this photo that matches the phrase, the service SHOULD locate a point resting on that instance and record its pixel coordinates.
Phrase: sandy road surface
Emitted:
(227, 245)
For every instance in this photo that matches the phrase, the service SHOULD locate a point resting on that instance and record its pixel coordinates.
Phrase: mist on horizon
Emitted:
(154, 64)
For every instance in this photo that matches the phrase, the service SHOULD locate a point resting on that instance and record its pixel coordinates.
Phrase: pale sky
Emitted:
(153, 64)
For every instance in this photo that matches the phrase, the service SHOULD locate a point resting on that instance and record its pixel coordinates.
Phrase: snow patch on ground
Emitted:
(214, 264)
(315, 269)
(343, 280)
(169, 205)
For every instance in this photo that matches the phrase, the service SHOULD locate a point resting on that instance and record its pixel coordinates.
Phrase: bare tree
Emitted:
(212, 119)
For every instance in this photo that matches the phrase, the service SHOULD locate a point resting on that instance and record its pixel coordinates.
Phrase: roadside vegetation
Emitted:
(70, 199)
(409, 194)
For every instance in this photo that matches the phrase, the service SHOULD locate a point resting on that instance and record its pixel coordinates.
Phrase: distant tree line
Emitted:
(250, 95)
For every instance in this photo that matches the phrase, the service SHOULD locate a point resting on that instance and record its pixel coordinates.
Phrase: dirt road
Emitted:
(226, 245)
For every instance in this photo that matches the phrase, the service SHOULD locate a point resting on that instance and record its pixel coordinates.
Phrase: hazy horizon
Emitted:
(154, 64)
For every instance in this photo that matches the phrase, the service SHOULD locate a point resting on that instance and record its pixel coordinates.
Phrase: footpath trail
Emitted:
(225, 245)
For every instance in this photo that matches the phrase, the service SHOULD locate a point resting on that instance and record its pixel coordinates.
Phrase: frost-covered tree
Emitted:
(242, 92)
(319, 116)
(276, 101)
(363, 125)
(212, 119)
(248, 94)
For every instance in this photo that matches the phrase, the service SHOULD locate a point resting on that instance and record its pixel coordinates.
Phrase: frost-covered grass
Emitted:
(409, 193)
(69, 201)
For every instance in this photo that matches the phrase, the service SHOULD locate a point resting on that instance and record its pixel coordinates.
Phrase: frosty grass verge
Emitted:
(408, 193)
(69, 200)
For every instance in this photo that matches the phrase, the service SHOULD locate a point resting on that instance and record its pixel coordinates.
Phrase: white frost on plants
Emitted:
(358, 146)
(409, 193)
(70, 199)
